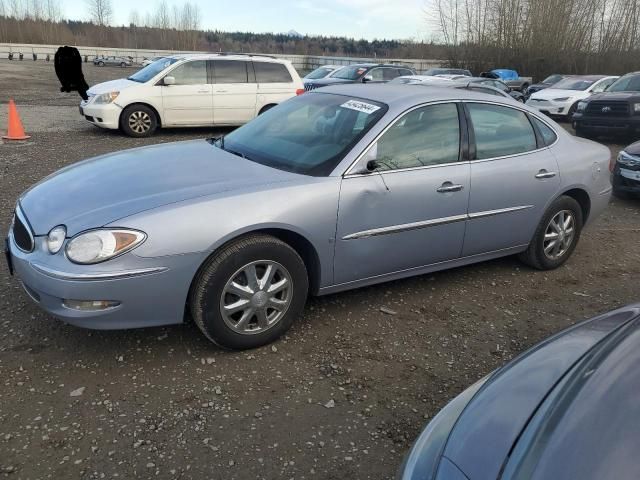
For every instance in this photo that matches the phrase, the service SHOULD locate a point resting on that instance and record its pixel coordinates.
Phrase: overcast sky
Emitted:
(391, 19)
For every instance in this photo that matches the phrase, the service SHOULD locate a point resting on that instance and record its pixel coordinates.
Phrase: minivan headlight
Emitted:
(106, 97)
(97, 246)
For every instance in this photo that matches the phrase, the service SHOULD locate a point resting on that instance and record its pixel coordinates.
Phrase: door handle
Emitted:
(449, 187)
(204, 91)
(222, 91)
(542, 174)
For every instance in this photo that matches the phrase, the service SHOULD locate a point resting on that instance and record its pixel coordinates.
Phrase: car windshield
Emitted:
(151, 70)
(319, 73)
(573, 84)
(309, 134)
(628, 83)
(552, 79)
(349, 73)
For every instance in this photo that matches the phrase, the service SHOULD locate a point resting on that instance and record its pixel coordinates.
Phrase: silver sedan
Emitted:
(337, 189)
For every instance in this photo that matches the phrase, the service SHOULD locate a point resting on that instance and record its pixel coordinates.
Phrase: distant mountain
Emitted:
(293, 33)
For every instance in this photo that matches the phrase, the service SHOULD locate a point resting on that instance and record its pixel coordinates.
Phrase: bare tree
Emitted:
(100, 11)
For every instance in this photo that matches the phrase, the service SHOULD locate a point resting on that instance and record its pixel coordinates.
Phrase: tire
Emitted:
(212, 290)
(101, 64)
(535, 255)
(266, 108)
(123, 64)
(138, 121)
(572, 110)
(581, 133)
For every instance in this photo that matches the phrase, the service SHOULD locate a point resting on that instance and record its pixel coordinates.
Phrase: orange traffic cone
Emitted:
(15, 130)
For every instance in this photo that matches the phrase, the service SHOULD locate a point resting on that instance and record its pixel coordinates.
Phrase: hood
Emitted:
(613, 96)
(551, 93)
(327, 81)
(492, 422)
(633, 149)
(101, 190)
(111, 86)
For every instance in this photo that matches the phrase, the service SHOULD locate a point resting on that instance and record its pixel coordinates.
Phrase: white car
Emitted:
(196, 90)
(563, 98)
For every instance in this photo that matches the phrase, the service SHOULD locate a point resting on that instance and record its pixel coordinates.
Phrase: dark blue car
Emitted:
(567, 409)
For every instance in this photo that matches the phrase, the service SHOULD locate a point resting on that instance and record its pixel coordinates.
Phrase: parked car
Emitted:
(565, 409)
(331, 190)
(451, 76)
(360, 73)
(321, 72)
(423, 79)
(448, 71)
(149, 61)
(616, 110)
(192, 90)
(113, 61)
(626, 172)
(550, 81)
(497, 84)
(511, 78)
(562, 99)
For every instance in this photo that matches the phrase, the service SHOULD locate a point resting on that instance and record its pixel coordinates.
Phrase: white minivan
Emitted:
(195, 90)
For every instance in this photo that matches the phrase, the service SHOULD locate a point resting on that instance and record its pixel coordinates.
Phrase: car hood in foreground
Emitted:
(104, 189)
(491, 423)
(111, 86)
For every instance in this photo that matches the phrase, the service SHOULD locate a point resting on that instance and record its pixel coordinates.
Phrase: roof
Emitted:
(227, 56)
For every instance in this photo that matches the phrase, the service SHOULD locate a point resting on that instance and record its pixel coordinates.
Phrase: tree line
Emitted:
(539, 37)
(178, 27)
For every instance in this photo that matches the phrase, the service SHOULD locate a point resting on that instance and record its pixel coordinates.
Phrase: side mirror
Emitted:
(367, 78)
(169, 80)
(369, 163)
(372, 165)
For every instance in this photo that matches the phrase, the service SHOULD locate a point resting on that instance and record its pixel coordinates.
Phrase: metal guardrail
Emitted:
(302, 63)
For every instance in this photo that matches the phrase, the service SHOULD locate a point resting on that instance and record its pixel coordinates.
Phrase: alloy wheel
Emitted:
(140, 122)
(559, 234)
(256, 297)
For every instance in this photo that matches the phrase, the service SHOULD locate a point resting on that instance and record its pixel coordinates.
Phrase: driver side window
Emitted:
(426, 136)
(377, 74)
(191, 73)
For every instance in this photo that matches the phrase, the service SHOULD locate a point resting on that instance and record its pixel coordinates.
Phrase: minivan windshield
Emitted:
(627, 83)
(151, 70)
(309, 134)
(573, 84)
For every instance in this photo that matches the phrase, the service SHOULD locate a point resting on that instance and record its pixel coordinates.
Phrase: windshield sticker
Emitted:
(360, 107)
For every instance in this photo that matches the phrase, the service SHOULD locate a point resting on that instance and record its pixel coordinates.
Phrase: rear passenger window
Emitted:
(500, 131)
(268, 72)
(191, 73)
(426, 136)
(390, 74)
(548, 135)
(230, 71)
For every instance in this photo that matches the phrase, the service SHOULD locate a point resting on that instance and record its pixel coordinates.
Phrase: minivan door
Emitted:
(189, 101)
(234, 92)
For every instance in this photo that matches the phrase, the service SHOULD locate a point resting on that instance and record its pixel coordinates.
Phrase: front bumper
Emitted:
(150, 291)
(550, 107)
(607, 125)
(102, 115)
(625, 180)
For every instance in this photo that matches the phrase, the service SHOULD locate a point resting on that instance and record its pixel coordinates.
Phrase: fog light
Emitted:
(90, 305)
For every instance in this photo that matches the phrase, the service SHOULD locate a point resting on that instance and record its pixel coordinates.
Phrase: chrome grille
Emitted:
(607, 108)
(309, 86)
(22, 233)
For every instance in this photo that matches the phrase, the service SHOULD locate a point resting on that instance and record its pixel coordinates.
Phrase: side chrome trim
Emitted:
(405, 227)
(95, 276)
(500, 211)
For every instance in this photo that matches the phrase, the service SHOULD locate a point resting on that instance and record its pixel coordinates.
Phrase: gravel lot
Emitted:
(342, 396)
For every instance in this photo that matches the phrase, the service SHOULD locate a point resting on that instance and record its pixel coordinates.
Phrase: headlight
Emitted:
(96, 246)
(106, 97)
(636, 107)
(563, 99)
(55, 239)
(582, 106)
(629, 160)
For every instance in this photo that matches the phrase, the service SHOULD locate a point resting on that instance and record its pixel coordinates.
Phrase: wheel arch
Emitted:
(581, 196)
(155, 110)
(266, 107)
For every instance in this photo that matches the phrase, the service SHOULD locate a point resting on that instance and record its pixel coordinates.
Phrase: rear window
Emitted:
(230, 71)
(267, 72)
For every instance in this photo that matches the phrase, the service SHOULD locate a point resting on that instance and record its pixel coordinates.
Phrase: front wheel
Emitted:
(101, 64)
(138, 121)
(249, 293)
(123, 64)
(557, 235)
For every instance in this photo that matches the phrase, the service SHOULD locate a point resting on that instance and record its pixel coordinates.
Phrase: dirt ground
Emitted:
(341, 396)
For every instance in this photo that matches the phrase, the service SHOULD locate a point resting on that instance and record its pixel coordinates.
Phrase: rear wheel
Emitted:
(122, 64)
(557, 235)
(249, 293)
(101, 64)
(266, 108)
(138, 121)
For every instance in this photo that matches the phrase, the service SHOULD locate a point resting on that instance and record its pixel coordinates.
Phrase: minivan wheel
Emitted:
(249, 293)
(138, 121)
(266, 108)
(557, 235)
(101, 64)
